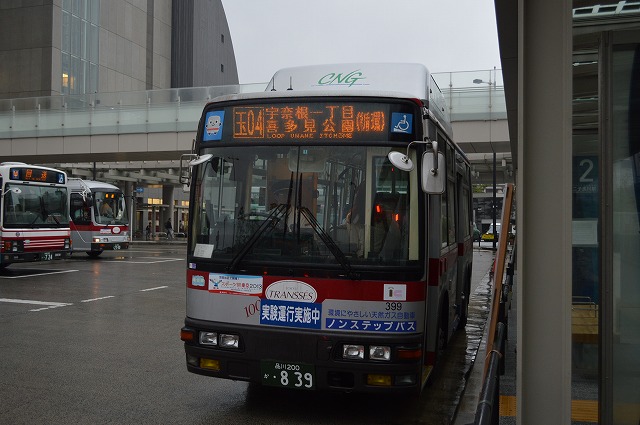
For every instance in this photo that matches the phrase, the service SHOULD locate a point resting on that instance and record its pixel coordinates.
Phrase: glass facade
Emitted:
(606, 225)
(586, 283)
(80, 45)
(624, 275)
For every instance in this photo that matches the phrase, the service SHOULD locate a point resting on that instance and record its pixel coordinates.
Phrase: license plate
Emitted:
(288, 375)
(46, 256)
(116, 246)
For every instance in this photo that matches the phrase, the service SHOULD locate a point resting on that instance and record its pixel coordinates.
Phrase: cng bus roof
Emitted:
(411, 78)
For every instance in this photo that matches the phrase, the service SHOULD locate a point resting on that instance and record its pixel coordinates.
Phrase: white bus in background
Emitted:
(34, 214)
(99, 218)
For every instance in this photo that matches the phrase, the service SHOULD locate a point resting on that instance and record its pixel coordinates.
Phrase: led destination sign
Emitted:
(308, 121)
(37, 175)
(311, 120)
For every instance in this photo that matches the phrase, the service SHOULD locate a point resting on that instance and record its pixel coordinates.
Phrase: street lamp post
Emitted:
(492, 83)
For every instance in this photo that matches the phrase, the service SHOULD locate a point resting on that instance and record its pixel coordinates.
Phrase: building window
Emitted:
(221, 67)
(80, 32)
(222, 38)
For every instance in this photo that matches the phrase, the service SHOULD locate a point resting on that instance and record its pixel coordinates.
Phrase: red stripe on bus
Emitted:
(341, 289)
(440, 266)
(434, 272)
(465, 247)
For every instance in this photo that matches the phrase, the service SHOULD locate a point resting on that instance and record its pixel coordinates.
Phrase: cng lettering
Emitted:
(338, 79)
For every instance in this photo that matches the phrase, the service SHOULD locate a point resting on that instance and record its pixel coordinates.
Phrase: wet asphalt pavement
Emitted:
(96, 341)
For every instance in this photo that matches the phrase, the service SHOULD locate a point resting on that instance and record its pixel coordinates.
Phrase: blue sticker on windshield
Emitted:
(401, 123)
(213, 126)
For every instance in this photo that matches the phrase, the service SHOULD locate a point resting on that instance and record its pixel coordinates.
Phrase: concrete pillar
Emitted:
(544, 212)
(168, 199)
(153, 221)
(131, 207)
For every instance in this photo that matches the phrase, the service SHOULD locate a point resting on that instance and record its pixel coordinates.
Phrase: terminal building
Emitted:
(572, 86)
(93, 46)
(83, 47)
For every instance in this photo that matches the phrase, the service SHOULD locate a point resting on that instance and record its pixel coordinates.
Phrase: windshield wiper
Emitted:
(329, 243)
(53, 217)
(272, 220)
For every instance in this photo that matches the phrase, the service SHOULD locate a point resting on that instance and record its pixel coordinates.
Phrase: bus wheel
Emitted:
(464, 308)
(464, 313)
(441, 342)
(94, 254)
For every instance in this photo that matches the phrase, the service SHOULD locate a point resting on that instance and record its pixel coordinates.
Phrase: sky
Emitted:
(443, 35)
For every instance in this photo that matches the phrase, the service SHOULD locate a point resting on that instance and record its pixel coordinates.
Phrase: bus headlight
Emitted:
(380, 352)
(209, 338)
(12, 246)
(229, 341)
(353, 352)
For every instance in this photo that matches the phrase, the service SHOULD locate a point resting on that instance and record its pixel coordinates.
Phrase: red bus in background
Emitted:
(330, 232)
(99, 218)
(34, 214)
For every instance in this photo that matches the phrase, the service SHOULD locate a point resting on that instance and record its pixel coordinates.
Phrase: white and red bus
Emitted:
(34, 214)
(319, 256)
(99, 219)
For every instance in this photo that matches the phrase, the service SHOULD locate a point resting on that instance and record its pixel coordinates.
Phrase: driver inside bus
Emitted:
(106, 210)
(283, 194)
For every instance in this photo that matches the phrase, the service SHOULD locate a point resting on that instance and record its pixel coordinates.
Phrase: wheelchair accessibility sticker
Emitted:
(401, 123)
(213, 126)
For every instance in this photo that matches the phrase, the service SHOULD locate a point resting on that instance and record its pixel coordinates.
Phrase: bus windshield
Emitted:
(110, 208)
(340, 206)
(31, 206)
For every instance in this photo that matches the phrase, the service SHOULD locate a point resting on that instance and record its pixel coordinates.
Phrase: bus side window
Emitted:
(79, 210)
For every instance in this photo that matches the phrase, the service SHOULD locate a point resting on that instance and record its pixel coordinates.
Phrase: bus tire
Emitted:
(464, 308)
(94, 254)
(441, 338)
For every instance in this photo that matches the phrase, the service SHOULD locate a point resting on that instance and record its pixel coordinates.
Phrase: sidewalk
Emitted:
(159, 240)
(480, 303)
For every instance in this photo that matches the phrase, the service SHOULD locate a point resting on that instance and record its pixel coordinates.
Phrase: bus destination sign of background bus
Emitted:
(299, 121)
(37, 175)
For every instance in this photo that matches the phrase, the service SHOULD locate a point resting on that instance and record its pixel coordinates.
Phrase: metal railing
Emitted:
(488, 409)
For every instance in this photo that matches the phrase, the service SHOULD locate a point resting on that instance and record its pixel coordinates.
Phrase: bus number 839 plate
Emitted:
(288, 375)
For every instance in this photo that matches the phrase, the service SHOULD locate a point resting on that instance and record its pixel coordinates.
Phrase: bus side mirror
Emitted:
(192, 160)
(434, 174)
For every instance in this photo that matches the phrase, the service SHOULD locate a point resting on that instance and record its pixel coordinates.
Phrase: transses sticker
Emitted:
(291, 290)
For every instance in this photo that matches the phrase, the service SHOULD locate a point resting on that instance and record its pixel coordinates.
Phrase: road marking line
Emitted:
(38, 274)
(153, 289)
(154, 262)
(97, 299)
(47, 303)
(145, 262)
(48, 308)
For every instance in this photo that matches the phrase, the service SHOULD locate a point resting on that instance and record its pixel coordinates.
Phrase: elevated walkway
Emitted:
(159, 125)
